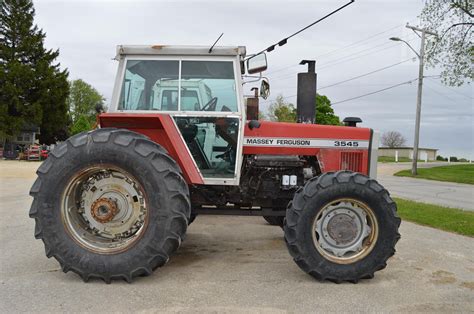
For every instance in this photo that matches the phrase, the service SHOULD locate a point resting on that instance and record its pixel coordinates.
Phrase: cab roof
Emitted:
(123, 50)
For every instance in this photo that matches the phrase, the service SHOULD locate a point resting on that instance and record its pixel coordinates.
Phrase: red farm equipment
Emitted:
(178, 141)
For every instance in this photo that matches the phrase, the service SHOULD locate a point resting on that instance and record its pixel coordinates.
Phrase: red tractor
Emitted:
(178, 141)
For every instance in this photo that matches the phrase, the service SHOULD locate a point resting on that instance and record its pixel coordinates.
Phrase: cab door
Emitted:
(210, 117)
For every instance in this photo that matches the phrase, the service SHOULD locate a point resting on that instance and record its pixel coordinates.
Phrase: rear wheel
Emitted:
(110, 204)
(341, 226)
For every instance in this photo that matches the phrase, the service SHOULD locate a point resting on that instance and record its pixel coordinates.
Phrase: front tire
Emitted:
(341, 226)
(110, 204)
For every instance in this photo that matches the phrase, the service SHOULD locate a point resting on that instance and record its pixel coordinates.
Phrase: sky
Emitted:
(350, 43)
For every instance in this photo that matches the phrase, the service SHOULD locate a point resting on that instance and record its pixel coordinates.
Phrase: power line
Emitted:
(337, 59)
(452, 89)
(371, 93)
(344, 47)
(352, 78)
(365, 74)
(386, 43)
(342, 60)
(282, 69)
(360, 96)
(375, 35)
(355, 84)
(441, 94)
(374, 92)
(358, 42)
(285, 40)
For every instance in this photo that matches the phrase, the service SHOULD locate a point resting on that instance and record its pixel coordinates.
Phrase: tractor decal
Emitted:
(305, 142)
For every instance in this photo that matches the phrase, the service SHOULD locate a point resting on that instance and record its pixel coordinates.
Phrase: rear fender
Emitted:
(161, 129)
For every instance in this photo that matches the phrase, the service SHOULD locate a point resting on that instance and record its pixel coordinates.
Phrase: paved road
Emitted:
(428, 191)
(229, 264)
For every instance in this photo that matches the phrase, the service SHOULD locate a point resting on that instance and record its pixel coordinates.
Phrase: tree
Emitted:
(324, 112)
(82, 101)
(282, 111)
(33, 90)
(393, 139)
(55, 122)
(453, 48)
(81, 124)
(286, 112)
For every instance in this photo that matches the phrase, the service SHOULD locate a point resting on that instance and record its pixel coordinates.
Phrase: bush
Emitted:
(453, 159)
(441, 158)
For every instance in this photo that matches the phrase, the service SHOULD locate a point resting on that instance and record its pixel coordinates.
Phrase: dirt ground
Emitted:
(229, 265)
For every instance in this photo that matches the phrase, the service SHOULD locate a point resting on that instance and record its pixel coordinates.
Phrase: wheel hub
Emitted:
(119, 197)
(103, 210)
(342, 228)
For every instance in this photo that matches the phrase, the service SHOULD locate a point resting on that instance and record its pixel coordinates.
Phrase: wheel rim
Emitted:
(345, 231)
(104, 209)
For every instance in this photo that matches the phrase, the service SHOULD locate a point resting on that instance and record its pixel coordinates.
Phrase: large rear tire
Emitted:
(341, 226)
(110, 204)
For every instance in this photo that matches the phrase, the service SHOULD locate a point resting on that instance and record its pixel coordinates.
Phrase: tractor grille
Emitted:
(351, 161)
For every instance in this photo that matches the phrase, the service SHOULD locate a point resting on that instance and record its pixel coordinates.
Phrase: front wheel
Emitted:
(341, 226)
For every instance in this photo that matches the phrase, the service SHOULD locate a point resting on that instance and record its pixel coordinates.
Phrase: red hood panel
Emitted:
(302, 139)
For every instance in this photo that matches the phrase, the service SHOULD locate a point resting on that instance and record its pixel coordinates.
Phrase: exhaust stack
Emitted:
(306, 95)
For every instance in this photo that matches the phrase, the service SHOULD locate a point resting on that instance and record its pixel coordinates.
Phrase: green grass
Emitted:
(455, 173)
(444, 218)
(392, 159)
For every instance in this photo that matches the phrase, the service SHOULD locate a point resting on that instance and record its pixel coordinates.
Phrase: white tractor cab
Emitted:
(201, 89)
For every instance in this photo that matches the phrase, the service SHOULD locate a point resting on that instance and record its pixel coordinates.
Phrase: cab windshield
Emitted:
(179, 85)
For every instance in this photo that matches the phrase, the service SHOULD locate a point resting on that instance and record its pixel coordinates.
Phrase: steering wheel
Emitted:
(211, 105)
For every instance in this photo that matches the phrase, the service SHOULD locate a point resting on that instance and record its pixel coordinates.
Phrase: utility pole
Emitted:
(421, 58)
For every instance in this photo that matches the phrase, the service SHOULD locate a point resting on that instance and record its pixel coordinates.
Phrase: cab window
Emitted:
(146, 82)
(155, 85)
(212, 142)
(214, 81)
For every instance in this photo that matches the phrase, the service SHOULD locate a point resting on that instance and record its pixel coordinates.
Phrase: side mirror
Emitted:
(257, 64)
(265, 89)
